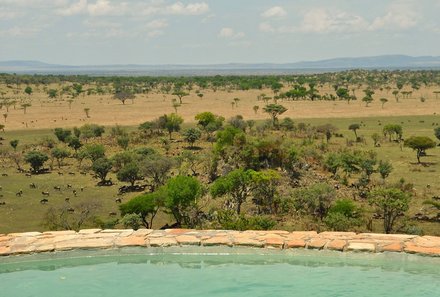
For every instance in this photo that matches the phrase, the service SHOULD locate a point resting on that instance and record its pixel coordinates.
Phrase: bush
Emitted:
(132, 220)
(343, 216)
(229, 220)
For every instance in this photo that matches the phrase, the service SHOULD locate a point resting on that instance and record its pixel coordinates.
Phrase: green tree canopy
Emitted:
(274, 110)
(182, 193)
(420, 144)
(101, 167)
(390, 203)
(236, 184)
(36, 159)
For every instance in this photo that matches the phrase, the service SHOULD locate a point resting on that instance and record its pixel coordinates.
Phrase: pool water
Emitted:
(218, 272)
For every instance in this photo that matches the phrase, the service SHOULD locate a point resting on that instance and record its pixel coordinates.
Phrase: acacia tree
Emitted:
(420, 144)
(354, 127)
(209, 122)
(437, 132)
(59, 153)
(172, 123)
(383, 101)
(182, 193)
(180, 94)
(146, 206)
(391, 203)
(274, 110)
(123, 96)
(236, 184)
(101, 167)
(129, 173)
(36, 160)
(156, 167)
(191, 135)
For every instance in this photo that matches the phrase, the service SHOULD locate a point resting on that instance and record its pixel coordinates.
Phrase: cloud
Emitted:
(157, 24)
(134, 8)
(266, 27)
(104, 7)
(155, 28)
(9, 15)
(400, 15)
(73, 9)
(19, 31)
(229, 33)
(179, 8)
(324, 21)
(274, 12)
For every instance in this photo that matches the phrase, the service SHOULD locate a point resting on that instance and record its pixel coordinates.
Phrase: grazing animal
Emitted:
(60, 173)
(118, 200)
(4, 174)
(45, 193)
(112, 214)
(19, 193)
(82, 189)
(28, 175)
(32, 186)
(2, 203)
(70, 209)
(69, 186)
(83, 173)
(67, 200)
(58, 188)
(44, 201)
(71, 173)
(74, 192)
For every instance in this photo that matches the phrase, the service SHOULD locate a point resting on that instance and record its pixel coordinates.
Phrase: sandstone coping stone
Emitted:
(217, 240)
(317, 243)
(361, 247)
(59, 233)
(423, 250)
(336, 245)
(31, 242)
(89, 231)
(246, 241)
(142, 232)
(427, 241)
(334, 235)
(5, 250)
(295, 243)
(391, 237)
(130, 241)
(391, 247)
(118, 231)
(162, 241)
(274, 242)
(25, 234)
(84, 244)
(188, 240)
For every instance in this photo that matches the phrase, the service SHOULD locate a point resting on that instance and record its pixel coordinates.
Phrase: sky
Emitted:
(96, 32)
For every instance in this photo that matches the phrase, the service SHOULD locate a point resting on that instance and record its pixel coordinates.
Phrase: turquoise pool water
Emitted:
(218, 272)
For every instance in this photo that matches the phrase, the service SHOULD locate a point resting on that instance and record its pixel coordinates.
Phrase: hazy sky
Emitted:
(78, 32)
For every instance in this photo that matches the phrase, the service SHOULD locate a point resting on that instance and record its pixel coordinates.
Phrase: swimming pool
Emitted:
(218, 271)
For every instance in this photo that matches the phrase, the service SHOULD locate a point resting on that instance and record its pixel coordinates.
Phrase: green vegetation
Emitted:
(234, 173)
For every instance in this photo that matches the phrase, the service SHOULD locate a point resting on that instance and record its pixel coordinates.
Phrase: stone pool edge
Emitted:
(51, 241)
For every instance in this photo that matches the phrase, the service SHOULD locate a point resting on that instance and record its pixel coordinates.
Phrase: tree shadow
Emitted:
(193, 148)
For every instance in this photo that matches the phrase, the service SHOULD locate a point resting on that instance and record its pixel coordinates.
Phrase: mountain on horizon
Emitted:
(374, 62)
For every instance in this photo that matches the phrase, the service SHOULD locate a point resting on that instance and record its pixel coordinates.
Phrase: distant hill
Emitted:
(377, 62)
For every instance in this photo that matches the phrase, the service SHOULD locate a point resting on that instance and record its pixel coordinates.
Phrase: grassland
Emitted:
(26, 213)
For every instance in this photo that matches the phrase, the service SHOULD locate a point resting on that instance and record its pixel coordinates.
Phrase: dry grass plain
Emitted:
(416, 117)
(105, 110)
